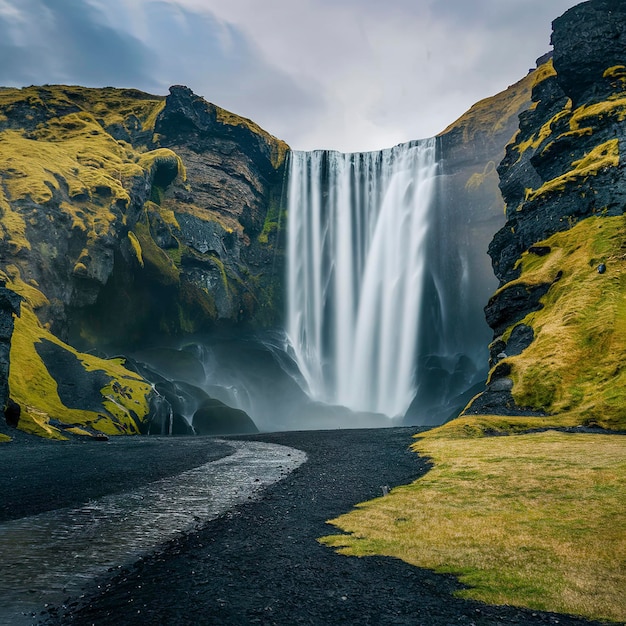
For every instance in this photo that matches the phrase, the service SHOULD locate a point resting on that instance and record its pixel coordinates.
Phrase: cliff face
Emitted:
(125, 215)
(469, 209)
(558, 314)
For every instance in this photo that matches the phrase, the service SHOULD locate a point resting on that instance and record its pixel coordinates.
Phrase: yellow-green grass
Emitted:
(574, 368)
(614, 108)
(111, 105)
(4, 438)
(603, 156)
(491, 115)
(75, 151)
(535, 140)
(135, 246)
(150, 161)
(75, 147)
(150, 254)
(12, 226)
(534, 520)
(584, 119)
(32, 386)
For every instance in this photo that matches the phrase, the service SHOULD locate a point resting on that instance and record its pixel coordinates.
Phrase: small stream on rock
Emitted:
(52, 556)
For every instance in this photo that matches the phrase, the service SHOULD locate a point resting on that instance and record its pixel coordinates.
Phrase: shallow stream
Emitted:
(50, 557)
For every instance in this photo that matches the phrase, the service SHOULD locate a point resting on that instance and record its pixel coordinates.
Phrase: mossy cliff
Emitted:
(124, 215)
(558, 315)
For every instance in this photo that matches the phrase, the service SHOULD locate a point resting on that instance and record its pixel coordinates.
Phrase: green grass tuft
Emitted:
(575, 363)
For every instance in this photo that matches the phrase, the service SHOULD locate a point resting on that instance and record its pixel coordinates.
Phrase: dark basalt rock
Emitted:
(188, 119)
(520, 338)
(513, 304)
(497, 398)
(498, 401)
(10, 303)
(588, 39)
(216, 418)
(543, 190)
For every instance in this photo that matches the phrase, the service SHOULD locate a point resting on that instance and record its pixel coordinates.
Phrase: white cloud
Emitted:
(390, 71)
(346, 74)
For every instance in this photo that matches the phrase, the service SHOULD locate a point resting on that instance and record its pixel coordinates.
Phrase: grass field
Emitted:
(534, 520)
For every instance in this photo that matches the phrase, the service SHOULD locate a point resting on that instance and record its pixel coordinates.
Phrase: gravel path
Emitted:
(261, 562)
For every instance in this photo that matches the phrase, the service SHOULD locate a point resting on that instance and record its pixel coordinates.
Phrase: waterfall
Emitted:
(356, 257)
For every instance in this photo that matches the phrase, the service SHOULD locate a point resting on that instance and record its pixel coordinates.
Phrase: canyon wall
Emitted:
(558, 314)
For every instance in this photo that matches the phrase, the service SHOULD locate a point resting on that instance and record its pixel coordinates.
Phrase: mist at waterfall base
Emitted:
(385, 283)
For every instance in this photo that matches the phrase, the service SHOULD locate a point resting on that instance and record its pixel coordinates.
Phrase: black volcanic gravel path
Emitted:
(262, 564)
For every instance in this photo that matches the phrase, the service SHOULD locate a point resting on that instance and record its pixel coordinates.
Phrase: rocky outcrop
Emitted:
(126, 215)
(564, 183)
(9, 307)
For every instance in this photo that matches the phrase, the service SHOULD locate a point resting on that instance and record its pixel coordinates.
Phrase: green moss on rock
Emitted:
(602, 156)
(155, 259)
(574, 366)
(124, 401)
(135, 246)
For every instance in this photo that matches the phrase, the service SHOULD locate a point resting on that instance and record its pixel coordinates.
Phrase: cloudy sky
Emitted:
(345, 74)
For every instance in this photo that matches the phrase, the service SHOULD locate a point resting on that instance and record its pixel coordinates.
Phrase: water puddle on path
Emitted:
(47, 558)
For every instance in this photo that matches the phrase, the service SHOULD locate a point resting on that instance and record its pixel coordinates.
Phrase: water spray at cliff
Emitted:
(357, 250)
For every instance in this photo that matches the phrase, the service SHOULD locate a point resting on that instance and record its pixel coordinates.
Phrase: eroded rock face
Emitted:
(9, 307)
(126, 215)
(565, 164)
(589, 39)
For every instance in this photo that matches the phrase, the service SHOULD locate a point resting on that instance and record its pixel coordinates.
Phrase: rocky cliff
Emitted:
(125, 215)
(558, 315)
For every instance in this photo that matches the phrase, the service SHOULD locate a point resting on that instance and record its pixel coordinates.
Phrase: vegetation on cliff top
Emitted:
(70, 159)
(491, 115)
(278, 148)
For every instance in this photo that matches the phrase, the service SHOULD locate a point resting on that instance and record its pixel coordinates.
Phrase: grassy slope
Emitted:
(124, 401)
(574, 368)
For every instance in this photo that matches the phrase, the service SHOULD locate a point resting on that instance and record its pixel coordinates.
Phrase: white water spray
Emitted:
(356, 258)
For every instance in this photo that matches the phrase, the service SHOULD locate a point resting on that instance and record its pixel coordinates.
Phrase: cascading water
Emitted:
(387, 279)
(357, 229)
